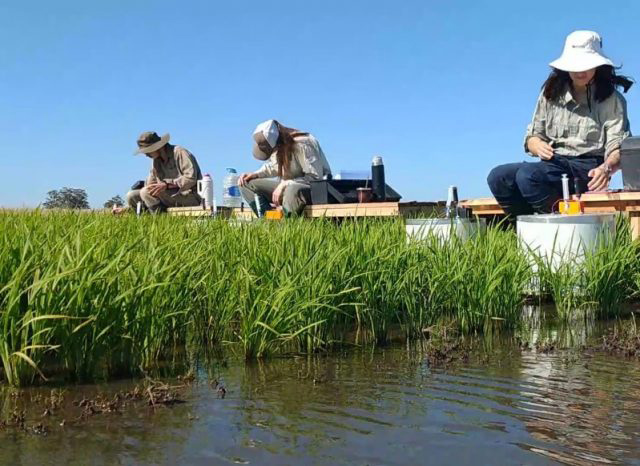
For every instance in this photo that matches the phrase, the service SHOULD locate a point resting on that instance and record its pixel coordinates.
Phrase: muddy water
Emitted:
(504, 405)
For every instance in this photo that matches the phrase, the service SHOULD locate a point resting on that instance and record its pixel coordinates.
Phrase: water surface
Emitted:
(504, 405)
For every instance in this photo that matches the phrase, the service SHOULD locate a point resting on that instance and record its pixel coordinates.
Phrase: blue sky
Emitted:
(443, 90)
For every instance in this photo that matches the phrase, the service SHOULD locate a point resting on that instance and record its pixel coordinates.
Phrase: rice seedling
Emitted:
(597, 280)
(609, 270)
(89, 297)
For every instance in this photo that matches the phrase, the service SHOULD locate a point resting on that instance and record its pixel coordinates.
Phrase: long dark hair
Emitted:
(284, 147)
(605, 81)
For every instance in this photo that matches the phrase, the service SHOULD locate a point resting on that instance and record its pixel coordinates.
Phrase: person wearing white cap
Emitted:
(578, 125)
(293, 159)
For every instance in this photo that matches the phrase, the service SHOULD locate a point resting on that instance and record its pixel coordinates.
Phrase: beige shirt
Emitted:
(180, 167)
(573, 129)
(307, 164)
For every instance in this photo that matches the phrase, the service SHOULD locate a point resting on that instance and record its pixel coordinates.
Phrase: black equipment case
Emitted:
(630, 163)
(344, 191)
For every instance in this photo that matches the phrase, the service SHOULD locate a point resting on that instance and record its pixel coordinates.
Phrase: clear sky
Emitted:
(443, 90)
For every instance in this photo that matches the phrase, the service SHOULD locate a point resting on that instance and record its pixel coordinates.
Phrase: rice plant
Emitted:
(90, 296)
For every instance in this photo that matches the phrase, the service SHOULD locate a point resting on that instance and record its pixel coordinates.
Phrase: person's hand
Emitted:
(245, 178)
(278, 193)
(156, 188)
(540, 148)
(599, 179)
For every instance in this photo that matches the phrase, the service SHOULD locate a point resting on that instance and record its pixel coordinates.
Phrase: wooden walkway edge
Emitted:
(624, 202)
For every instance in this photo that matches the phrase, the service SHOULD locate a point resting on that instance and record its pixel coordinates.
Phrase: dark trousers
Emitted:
(534, 187)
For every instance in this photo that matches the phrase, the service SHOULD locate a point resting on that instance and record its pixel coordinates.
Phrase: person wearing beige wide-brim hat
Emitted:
(578, 125)
(293, 159)
(173, 176)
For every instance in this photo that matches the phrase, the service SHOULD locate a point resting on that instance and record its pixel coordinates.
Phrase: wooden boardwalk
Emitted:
(623, 202)
(371, 209)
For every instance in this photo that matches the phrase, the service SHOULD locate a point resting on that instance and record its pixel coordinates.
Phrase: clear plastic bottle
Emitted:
(230, 191)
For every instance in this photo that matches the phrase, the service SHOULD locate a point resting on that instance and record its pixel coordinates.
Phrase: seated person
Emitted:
(173, 176)
(294, 157)
(578, 126)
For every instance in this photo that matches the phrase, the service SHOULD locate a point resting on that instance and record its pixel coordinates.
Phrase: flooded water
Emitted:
(505, 405)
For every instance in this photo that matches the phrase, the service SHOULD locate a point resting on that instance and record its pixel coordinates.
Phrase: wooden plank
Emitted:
(488, 212)
(482, 206)
(592, 202)
(479, 202)
(371, 209)
(198, 211)
(611, 196)
(591, 209)
(374, 209)
(604, 206)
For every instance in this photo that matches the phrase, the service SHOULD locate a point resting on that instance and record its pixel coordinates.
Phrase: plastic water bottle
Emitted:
(230, 191)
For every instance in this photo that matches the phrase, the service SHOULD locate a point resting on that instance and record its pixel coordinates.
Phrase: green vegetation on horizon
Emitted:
(89, 296)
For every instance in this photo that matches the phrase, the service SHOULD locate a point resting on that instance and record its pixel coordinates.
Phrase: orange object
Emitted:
(570, 207)
(274, 215)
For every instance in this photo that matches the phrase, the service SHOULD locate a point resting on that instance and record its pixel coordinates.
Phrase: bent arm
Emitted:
(537, 128)
(187, 168)
(269, 169)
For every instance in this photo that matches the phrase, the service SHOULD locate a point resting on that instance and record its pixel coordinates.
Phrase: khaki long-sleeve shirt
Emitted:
(308, 162)
(573, 129)
(179, 167)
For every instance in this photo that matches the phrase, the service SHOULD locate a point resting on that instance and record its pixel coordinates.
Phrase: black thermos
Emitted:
(377, 179)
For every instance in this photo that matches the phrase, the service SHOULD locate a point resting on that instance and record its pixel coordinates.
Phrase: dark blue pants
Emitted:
(534, 187)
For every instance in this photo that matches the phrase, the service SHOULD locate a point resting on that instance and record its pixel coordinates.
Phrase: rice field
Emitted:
(88, 296)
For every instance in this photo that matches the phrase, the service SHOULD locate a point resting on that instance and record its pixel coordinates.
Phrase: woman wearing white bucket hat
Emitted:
(293, 159)
(578, 125)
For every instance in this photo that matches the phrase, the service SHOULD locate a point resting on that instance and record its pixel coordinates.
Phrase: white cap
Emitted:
(582, 52)
(265, 131)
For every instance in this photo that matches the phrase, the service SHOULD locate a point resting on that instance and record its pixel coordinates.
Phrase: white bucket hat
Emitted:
(582, 52)
(266, 132)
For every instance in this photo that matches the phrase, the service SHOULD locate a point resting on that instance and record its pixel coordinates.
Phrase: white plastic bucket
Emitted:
(443, 228)
(556, 238)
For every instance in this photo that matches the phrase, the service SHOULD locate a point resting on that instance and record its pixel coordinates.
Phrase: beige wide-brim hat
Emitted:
(582, 52)
(149, 141)
(266, 133)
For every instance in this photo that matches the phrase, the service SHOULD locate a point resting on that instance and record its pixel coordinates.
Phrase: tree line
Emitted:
(75, 198)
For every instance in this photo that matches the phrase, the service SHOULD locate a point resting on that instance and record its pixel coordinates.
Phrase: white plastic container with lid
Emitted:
(230, 190)
(205, 191)
(443, 228)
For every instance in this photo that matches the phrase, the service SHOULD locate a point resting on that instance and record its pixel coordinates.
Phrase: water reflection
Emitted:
(510, 403)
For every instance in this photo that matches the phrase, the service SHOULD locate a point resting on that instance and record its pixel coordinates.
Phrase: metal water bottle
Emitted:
(452, 202)
(377, 179)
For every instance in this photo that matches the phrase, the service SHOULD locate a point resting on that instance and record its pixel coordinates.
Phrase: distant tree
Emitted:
(67, 198)
(115, 201)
